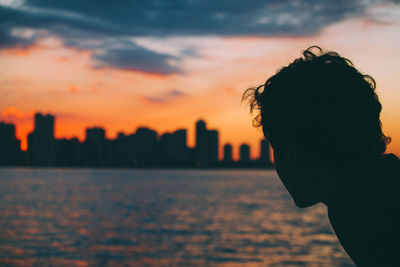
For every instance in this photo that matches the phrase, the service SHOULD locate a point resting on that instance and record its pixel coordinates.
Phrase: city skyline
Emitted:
(81, 135)
(149, 147)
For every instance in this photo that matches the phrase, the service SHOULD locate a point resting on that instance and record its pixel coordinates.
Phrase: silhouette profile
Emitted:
(321, 117)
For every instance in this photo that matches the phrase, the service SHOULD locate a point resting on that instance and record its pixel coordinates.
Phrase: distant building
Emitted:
(173, 148)
(41, 142)
(146, 147)
(10, 152)
(244, 153)
(201, 146)
(125, 149)
(265, 152)
(121, 135)
(212, 146)
(94, 147)
(95, 134)
(228, 153)
(68, 152)
(207, 144)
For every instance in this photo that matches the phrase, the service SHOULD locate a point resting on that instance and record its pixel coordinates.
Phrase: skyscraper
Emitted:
(174, 148)
(265, 152)
(179, 138)
(68, 152)
(207, 144)
(10, 152)
(125, 146)
(41, 142)
(228, 153)
(201, 143)
(146, 147)
(244, 153)
(212, 143)
(95, 134)
(94, 147)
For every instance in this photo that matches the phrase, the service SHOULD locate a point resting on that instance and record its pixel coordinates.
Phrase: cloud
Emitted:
(24, 25)
(13, 112)
(136, 58)
(175, 93)
(102, 25)
(163, 98)
(196, 17)
(14, 115)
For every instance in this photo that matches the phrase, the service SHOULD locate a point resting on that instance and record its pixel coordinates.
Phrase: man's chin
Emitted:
(304, 203)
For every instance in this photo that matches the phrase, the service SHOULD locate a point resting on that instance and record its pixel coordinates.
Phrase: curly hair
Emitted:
(322, 103)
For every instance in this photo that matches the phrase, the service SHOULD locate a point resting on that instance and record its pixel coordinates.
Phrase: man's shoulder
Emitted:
(389, 161)
(384, 179)
(366, 217)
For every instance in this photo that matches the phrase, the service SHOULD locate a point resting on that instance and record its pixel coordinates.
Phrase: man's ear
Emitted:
(291, 154)
(299, 157)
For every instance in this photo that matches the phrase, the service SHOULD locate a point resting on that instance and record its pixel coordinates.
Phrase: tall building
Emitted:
(10, 152)
(125, 149)
(174, 148)
(95, 134)
(201, 146)
(244, 153)
(265, 152)
(69, 152)
(94, 147)
(146, 147)
(228, 153)
(212, 143)
(207, 144)
(41, 142)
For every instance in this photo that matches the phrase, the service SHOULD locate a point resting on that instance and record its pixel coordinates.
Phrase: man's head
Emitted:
(318, 112)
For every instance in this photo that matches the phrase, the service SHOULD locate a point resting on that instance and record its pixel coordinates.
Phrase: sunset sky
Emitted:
(166, 64)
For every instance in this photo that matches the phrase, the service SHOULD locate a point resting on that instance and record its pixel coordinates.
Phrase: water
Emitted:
(84, 217)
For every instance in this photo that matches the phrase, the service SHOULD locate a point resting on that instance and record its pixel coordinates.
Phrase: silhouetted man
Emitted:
(321, 116)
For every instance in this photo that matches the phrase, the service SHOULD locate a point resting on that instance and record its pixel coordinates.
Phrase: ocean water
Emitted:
(100, 217)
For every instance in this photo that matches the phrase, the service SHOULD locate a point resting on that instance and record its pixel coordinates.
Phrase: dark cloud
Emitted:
(84, 23)
(194, 17)
(163, 98)
(8, 36)
(136, 58)
(175, 93)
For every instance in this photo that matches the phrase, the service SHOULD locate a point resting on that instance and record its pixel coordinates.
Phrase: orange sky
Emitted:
(50, 77)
